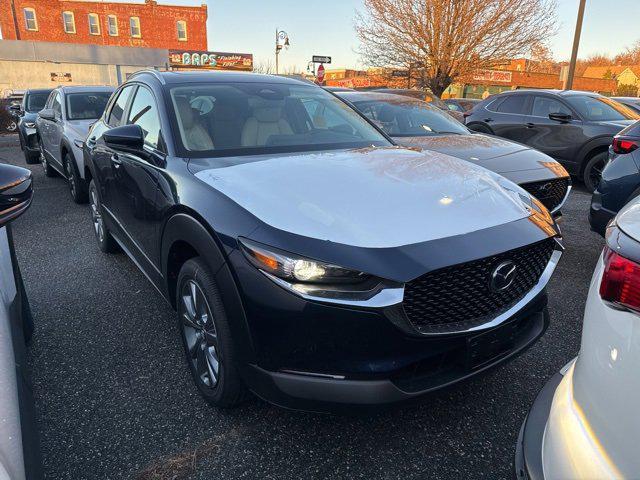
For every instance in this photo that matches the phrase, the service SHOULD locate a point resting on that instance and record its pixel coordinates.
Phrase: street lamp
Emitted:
(282, 40)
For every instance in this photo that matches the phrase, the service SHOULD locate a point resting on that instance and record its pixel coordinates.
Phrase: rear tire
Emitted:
(593, 171)
(77, 186)
(48, 169)
(106, 242)
(206, 336)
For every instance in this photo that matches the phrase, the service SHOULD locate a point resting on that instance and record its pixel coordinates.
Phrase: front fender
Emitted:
(185, 228)
(601, 141)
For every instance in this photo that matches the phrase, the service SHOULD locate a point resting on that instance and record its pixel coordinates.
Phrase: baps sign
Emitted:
(211, 60)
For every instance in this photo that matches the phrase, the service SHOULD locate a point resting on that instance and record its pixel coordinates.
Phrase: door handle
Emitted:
(115, 159)
(488, 120)
(529, 125)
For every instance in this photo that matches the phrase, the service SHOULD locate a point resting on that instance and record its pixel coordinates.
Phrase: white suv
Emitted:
(584, 423)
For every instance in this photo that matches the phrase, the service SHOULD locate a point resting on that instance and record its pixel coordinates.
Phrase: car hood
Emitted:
(496, 154)
(373, 197)
(80, 128)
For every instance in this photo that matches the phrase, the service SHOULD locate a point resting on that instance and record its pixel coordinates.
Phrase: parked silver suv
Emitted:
(62, 127)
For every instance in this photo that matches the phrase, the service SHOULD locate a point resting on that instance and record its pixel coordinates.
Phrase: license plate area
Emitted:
(489, 346)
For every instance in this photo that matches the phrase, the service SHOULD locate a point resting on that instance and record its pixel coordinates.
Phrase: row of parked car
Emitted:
(329, 251)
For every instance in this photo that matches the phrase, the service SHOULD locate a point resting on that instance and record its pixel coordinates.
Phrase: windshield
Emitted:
(601, 109)
(36, 101)
(252, 118)
(409, 118)
(86, 105)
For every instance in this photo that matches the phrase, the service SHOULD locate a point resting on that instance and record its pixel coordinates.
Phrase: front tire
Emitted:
(106, 242)
(77, 186)
(206, 336)
(593, 171)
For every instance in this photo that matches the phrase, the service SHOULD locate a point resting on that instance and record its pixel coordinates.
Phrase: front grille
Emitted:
(549, 192)
(460, 296)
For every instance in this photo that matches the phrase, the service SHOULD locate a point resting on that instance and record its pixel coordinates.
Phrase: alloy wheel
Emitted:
(595, 173)
(200, 334)
(70, 178)
(96, 216)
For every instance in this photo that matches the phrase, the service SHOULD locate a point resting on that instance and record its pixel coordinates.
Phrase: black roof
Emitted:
(181, 77)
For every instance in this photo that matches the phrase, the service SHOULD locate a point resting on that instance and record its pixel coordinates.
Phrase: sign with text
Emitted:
(490, 76)
(211, 60)
(320, 59)
(400, 73)
(61, 77)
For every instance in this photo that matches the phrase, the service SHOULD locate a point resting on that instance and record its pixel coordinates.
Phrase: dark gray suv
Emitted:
(576, 128)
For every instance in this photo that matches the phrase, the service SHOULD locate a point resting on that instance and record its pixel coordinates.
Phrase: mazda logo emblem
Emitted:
(503, 276)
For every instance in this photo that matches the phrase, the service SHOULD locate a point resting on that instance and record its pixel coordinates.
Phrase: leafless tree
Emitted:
(264, 66)
(631, 55)
(451, 38)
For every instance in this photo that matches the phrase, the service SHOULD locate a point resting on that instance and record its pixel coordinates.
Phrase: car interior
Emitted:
(220, 117)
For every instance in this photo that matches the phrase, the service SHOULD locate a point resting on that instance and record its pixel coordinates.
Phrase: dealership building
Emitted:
(47, 43)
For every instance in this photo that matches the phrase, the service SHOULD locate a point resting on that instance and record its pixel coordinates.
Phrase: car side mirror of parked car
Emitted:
(47, 114)
(126, 137)
(16, 192)
(560, 117)
(15, 108)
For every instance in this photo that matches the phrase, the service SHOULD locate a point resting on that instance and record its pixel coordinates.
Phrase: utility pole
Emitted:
(282, 40)
(278, 47)
(576, 42)
(15, 19)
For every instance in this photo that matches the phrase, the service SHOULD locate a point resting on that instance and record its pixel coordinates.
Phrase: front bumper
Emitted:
(417, 367)
(599, 217)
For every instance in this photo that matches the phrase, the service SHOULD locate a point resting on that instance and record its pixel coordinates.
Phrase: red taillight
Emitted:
(620, 281)
(623, 146)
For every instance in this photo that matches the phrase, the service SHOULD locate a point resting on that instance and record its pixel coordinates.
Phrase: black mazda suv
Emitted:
(309, 259)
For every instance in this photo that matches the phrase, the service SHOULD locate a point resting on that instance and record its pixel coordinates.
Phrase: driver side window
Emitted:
(144, 112)
(543, 106)
(321, 116)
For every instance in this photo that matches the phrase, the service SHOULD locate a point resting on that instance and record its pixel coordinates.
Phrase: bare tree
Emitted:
(451, 38)
(631, 55)
(264, 66)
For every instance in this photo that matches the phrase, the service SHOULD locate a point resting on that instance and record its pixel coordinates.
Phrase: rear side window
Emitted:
(117, 111)
(144, 112)
(544, 106)
(513, 104)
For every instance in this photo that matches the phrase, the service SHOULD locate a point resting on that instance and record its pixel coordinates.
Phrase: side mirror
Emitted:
(560, 117)
(47, 114)
(16, 192)
(126, 137)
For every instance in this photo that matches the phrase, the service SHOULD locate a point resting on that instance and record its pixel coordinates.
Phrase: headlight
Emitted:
(320, 281)
(298, 269)
(30, 124)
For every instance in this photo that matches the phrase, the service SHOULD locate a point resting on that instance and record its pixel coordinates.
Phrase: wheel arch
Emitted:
(185, 236)
(592, 148)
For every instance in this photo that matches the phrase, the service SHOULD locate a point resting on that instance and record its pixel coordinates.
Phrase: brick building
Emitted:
(147, 24)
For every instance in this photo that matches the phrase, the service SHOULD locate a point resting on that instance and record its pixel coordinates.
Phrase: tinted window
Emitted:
(144, 112)
(601, 109)
(36, 101)
(543, 106)
(251, 118)
(513, 104)
(409, 118)
(86, 105)
(117, 111)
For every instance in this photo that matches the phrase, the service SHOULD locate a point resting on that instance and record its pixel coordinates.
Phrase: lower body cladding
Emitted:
(317, 356)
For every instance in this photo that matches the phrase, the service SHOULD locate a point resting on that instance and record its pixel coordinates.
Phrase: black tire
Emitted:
(105, 240)
(206, 336)
(480, 128)
(49, 171)
(31, 158)
(77, 186)
(593, 171)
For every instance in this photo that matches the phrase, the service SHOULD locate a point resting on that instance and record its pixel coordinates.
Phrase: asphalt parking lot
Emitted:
(115, 399)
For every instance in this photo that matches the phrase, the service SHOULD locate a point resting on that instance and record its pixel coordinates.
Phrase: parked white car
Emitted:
(19, 446)
(584, 423)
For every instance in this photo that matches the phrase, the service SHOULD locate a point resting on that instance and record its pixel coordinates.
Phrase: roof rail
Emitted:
(151, 71)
